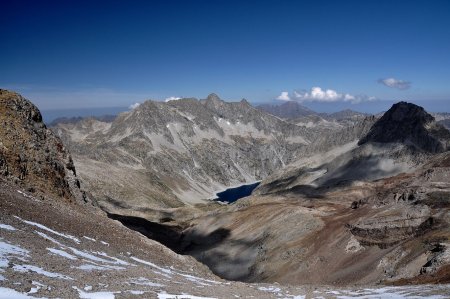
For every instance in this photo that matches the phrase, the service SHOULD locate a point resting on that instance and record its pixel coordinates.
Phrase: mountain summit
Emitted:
(411, 124)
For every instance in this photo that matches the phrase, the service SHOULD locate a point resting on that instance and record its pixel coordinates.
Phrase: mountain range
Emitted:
(123, 206)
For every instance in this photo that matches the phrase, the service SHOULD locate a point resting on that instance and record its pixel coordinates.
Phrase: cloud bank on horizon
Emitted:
(317, 94)
(137, 104)
(171, 99)
(395, 83)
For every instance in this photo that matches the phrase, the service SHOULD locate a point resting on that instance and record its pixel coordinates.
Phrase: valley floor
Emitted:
(50, 249)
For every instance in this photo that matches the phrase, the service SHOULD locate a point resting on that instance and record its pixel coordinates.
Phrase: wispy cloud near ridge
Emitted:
(317, 94)
(395, 83)
(134, 106)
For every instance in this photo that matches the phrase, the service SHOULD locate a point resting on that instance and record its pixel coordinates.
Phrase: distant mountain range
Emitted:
(289, 109)
(72, 120)
(211, 143)
(294, 110)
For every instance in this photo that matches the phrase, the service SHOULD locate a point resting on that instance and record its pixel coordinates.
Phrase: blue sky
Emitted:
(76, 54)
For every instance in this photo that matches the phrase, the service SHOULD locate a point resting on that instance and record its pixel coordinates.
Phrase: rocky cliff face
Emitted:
(409, 124)
(30, 154)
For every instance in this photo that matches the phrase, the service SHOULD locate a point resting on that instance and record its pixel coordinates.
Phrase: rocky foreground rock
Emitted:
(32, 156)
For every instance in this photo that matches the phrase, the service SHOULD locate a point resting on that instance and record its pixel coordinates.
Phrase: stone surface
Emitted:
(30, 154)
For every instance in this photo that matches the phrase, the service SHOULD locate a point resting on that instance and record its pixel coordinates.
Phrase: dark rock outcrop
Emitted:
(410, 124)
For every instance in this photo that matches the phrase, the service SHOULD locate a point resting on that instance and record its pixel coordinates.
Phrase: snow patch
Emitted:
(7, 227)
(391, 292)
(8, 250)
(45, 236)
(144, 282)
(36, 287)
(95, 295)
(62, 253)
(94, 258)
(26, 195)
(116, 260)
(6, 293)
(269, 289)
(164, 270)
(38, 270)
(198, 279)
(70, 237)
(181, 296)
(136, 292)
(94, 266)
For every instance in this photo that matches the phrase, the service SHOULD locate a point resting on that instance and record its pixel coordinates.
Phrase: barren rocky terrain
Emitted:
(52, 249)
(342, 212)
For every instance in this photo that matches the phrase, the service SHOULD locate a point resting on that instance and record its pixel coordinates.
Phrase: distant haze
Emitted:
(369, 107)
(51, 115)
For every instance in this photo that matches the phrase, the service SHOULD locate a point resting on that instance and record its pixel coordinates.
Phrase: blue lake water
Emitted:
(232, 194)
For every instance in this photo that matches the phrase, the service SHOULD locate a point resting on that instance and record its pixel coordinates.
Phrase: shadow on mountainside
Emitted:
(168, 235)
(227, 257)
(201, 246)
(367, 168)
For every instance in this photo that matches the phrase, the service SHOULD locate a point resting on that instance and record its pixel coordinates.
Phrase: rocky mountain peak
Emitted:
(213, 102)
(212, 97)
(245, 102)
(411, 124)
(31, 155)
(404, 111)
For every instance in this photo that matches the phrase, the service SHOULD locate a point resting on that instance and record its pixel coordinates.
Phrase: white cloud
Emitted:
(317, 94)
(284, 96)
(133, 106)
(395, 83)
(171, 99)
